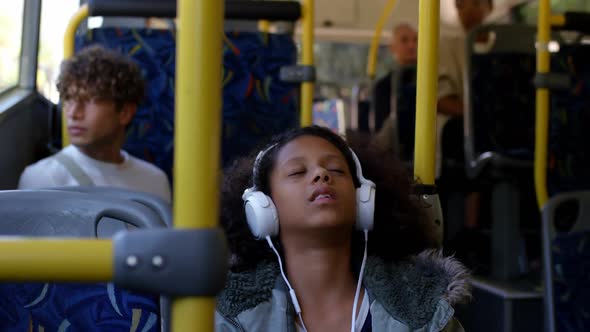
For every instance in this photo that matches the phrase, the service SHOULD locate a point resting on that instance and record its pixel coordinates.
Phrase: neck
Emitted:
(106, 153)
(321, 275)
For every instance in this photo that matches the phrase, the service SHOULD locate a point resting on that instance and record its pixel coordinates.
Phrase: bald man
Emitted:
(404, 44)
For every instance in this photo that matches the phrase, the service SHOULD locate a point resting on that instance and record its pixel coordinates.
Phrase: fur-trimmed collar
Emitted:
(409, 290)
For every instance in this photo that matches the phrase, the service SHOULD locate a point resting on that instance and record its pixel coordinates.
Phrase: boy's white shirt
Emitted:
(132, 174)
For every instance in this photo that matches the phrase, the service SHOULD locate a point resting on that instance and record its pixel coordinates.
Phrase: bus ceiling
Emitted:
(234, 9)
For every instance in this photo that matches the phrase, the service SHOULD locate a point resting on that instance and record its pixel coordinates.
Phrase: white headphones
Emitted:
(262, 215)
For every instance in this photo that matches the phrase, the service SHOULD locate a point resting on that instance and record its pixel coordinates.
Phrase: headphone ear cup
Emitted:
(261, 214)
(365, 205)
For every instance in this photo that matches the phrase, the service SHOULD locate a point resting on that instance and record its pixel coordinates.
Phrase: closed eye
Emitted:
(296, 173)
(340, 171)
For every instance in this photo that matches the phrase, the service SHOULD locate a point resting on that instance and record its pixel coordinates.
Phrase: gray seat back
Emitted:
(69, 213)
(157, 204)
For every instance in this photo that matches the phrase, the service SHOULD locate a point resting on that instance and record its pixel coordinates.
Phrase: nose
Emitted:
(322, 175)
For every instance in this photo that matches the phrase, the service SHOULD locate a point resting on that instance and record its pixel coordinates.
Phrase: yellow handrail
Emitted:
(372, 60)
(307, 7)
(69, 40)
(426, 94)
(196, 139)
(55, 259)
(542, 103)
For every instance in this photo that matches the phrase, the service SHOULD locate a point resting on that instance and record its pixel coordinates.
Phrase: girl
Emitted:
(318, 273)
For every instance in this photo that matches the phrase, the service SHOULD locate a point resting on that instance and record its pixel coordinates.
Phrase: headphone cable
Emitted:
(291, 290)
(359, 284)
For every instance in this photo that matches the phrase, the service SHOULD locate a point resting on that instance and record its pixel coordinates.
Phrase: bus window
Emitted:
(11, 22)
(527, 12)
(54, 19)
(344, 64)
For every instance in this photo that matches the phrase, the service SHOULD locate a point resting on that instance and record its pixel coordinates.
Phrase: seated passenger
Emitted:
(403, 48)
(301, 260)
(100, 90)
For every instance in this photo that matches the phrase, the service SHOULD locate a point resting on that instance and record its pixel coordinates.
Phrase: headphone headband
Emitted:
(256, 165)
(357, 165)
(262, 215)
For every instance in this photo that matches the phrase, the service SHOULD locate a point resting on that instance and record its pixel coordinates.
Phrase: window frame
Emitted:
(27, 60)
(31, 25)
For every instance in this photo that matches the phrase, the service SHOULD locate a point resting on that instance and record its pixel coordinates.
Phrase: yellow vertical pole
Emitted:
(426, 94)
(307, 60)
(374, 48)
(542, 103)
(264, 25)
(69, 40)
(197, 133)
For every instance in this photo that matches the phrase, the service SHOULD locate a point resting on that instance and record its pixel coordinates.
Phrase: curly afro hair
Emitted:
(98, 73)
(400, 226)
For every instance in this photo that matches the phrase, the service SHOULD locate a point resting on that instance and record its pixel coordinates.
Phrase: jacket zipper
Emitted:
(234, 323)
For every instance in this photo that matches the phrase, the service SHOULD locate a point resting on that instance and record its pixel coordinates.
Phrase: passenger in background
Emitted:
(403, 48)
(451, 108)
(296, 205)
(100, 90)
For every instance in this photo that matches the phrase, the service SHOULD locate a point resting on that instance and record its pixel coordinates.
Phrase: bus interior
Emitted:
(526, 116)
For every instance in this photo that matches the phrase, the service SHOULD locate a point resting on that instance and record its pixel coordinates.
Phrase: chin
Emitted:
(330, 221)
(78, 142)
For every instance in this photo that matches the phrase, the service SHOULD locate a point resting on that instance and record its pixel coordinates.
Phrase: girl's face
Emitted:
(312, 186)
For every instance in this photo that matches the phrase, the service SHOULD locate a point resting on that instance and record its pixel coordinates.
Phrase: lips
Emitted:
(75, 130)
(322, 193)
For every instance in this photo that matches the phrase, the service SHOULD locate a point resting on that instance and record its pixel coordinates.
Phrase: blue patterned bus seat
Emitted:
(503, 104)
(569, 124)
(256, 103)
(76, 307)
(330, 114)
(571, 281)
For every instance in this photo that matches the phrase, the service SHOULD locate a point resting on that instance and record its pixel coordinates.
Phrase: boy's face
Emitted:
(96, 122)
(472, 12)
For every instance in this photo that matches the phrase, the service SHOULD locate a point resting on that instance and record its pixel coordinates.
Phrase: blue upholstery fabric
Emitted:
(75, 307)
(571, 281)
(256, 104)
(150, 135)
(503, 104)
(569, 156)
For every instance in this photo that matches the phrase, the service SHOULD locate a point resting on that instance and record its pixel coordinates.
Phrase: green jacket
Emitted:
(414, 295)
